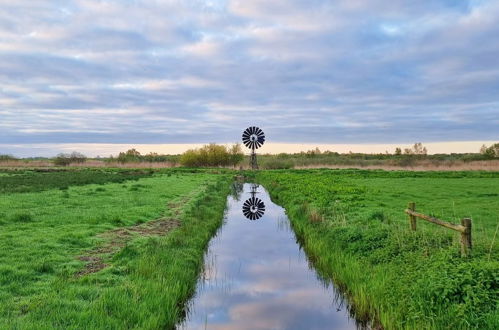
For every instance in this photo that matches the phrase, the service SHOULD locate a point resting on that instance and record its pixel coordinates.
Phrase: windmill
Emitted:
(253, 138)
(253, 208)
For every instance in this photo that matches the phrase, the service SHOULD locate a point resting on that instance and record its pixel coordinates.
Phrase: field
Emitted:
(352, 224)
(103, 249)
(122, 248)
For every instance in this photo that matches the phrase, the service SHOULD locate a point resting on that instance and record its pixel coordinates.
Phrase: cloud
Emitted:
(201, 71)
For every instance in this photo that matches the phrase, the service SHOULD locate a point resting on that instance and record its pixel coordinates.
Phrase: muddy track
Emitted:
(117, 239)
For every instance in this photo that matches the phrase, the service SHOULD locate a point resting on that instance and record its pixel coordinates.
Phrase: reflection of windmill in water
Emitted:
(253, 208)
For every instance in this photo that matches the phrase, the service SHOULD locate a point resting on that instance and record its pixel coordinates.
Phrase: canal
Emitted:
(256, 276)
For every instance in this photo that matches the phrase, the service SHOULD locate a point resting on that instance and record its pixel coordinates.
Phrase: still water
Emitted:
(257, 277)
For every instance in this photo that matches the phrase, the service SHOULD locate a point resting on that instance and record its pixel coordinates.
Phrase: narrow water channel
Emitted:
(257, 277)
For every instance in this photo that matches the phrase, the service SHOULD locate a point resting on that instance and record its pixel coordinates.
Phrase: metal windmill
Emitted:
(253, 208)
(253, 138)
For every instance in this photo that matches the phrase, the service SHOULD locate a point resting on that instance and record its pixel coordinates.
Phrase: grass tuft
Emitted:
(23, 217)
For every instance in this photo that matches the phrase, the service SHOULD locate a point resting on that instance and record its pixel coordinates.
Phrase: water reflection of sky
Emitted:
(257, 277)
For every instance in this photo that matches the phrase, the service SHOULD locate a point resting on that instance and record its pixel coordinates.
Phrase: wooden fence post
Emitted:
(412, 218)
(466, 237)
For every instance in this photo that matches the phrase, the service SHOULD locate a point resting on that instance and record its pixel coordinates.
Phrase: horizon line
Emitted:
(104, 150)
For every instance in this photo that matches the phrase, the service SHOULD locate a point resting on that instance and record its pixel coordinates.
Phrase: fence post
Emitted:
(466, 237)
(412, 218)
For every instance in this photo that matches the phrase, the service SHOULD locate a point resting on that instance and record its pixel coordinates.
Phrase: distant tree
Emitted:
(131, 155)
(313, 152)
(66, 159)
(62, 160)
(7, 157)
(212, 155)
(236, 154)
(151, 157)
(483, 149)
(77, 157)
(490, 152)
(398, 151)
(417, 149)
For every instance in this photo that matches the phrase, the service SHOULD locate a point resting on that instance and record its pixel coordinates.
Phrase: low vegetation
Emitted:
(121, 252)
(4, 158)
(213, 155)
(415, 157)
(352, 225)
(115, 248)
(72, 158)
(42, 179)
(134, 156)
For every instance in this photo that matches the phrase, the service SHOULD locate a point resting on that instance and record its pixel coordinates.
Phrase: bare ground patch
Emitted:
(116, 239)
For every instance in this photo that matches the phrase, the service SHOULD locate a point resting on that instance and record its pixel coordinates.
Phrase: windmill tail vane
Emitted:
(253, 138)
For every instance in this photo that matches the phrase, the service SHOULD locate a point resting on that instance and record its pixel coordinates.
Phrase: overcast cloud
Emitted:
(193, 71)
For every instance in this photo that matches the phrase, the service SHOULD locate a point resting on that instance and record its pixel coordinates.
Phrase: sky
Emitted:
(92, 74)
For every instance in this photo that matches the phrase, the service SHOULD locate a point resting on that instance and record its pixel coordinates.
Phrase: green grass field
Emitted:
(79, 255)
(352, 225)
(113, 249)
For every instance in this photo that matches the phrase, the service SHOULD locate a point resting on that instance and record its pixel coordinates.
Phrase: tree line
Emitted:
(220, 155)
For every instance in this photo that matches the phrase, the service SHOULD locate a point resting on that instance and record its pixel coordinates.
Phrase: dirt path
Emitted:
(116, 239)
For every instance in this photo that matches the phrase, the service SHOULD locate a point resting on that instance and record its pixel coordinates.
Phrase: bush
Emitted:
(7, 157)
(490, 152)
(212, 155)
(66, 159)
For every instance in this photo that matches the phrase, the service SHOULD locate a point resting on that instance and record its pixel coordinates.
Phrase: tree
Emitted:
(236, 154)
(212, 155)
(483, 149)
(66, 159)
(417, 149)
(7, 157)
(131, 155)
(490, 152)
(62, 160)
(77, 157)
(398, 151)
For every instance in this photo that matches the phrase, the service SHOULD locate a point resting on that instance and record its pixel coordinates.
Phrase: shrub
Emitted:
(490, 152)
(7, 157)
(212, 155)
(66, 159)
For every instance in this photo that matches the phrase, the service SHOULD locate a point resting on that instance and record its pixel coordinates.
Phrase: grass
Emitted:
(43, 179)
(144, 283)
(352, 225)
(350, 222)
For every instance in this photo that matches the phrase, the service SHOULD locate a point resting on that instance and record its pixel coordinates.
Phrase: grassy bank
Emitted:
(351, 223)
(111, 255)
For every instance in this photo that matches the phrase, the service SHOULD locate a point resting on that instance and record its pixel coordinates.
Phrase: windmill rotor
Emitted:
(253, 137)
(253, 208)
